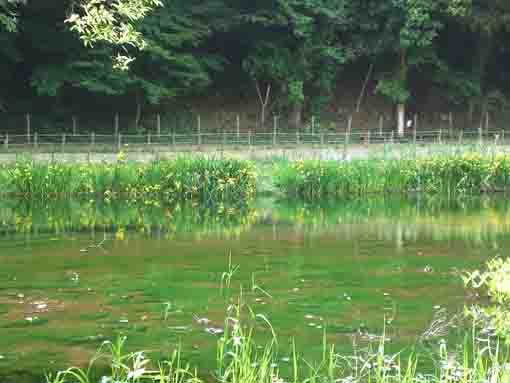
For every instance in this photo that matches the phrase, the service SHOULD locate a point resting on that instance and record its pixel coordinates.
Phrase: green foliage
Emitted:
(452, 175)
(53, 55)
(113, 23)
(495, 282)
(307, 60)
(394, 89)
(183, 179)
(128, 367)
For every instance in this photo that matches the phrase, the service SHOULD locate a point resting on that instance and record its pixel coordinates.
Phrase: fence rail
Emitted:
(173, 142)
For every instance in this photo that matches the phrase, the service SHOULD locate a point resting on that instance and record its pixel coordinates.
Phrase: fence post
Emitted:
(35, 140)
(480, 134)
(313, 124)
(275, 129)
(487, 120)
(74, 125)
(415, 124)
(92, 138)
(461, 133)
(368, 137)
(238, 127)
(414, 133)
(6, 142)
(116, 124)
(149, 138)
(450, 123)
(28, 127)
(224, 140)
(349, 124)
(502, 136)
(249, 139)
(297, 137)
(381, 125)
(199, 128)
(440, 138)
(119, 142)
(322, 138)
(158, 124)
(392, 136)
(346, 143)
(63, 141)
(173, 140)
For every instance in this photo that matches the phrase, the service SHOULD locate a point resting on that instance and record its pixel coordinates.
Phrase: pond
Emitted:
(76, 273)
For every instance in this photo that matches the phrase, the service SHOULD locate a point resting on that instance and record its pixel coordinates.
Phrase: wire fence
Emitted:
(104, 143)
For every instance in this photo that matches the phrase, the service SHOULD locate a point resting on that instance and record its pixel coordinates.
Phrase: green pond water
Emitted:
(75, 273)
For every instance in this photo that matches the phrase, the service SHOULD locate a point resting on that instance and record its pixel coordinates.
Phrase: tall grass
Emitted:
(182, 179)
(449, 175)
(128, 367)
(241, 359)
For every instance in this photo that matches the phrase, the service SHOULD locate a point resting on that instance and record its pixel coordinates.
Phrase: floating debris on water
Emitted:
(40, 305)
(21, 296)
(124, 321)
(286, 360)
(214, 330)
(309, 316)
(202, 321)
(347, 296)
(31, 319)
(428, 269)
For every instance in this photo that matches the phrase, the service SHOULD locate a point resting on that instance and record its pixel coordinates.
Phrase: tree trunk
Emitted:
(401, 118)
(471, 110)
(296, 116)
(484, 49)
(401, 107)
(138, 116)
(262, 116)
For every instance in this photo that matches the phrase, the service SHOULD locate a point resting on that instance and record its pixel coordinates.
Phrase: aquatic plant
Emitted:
(128, 367)
(181, 179)
(466, 173)
(494, 281)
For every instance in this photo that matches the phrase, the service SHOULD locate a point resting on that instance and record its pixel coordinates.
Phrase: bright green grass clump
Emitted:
(450, 175)
(182, 179)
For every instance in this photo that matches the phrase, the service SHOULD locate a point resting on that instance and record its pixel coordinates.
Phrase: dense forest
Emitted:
(290, 58)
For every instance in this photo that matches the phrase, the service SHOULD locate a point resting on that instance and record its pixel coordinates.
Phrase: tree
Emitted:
(113, 22)
(485, 19)
(412, 28)
(175, 62)
(302, 48)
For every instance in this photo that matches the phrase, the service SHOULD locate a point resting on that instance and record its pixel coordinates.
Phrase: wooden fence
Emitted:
(92, 142)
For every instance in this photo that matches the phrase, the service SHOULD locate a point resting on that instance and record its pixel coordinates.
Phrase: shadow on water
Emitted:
(75, 273)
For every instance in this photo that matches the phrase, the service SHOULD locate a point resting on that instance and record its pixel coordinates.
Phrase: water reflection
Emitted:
(397, 219)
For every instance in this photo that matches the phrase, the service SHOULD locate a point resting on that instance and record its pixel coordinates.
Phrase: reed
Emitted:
(467, 173)
(171, 180)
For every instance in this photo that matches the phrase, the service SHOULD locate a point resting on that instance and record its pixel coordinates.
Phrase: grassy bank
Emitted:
(221, 180)
(171, 180)
(448, 175)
